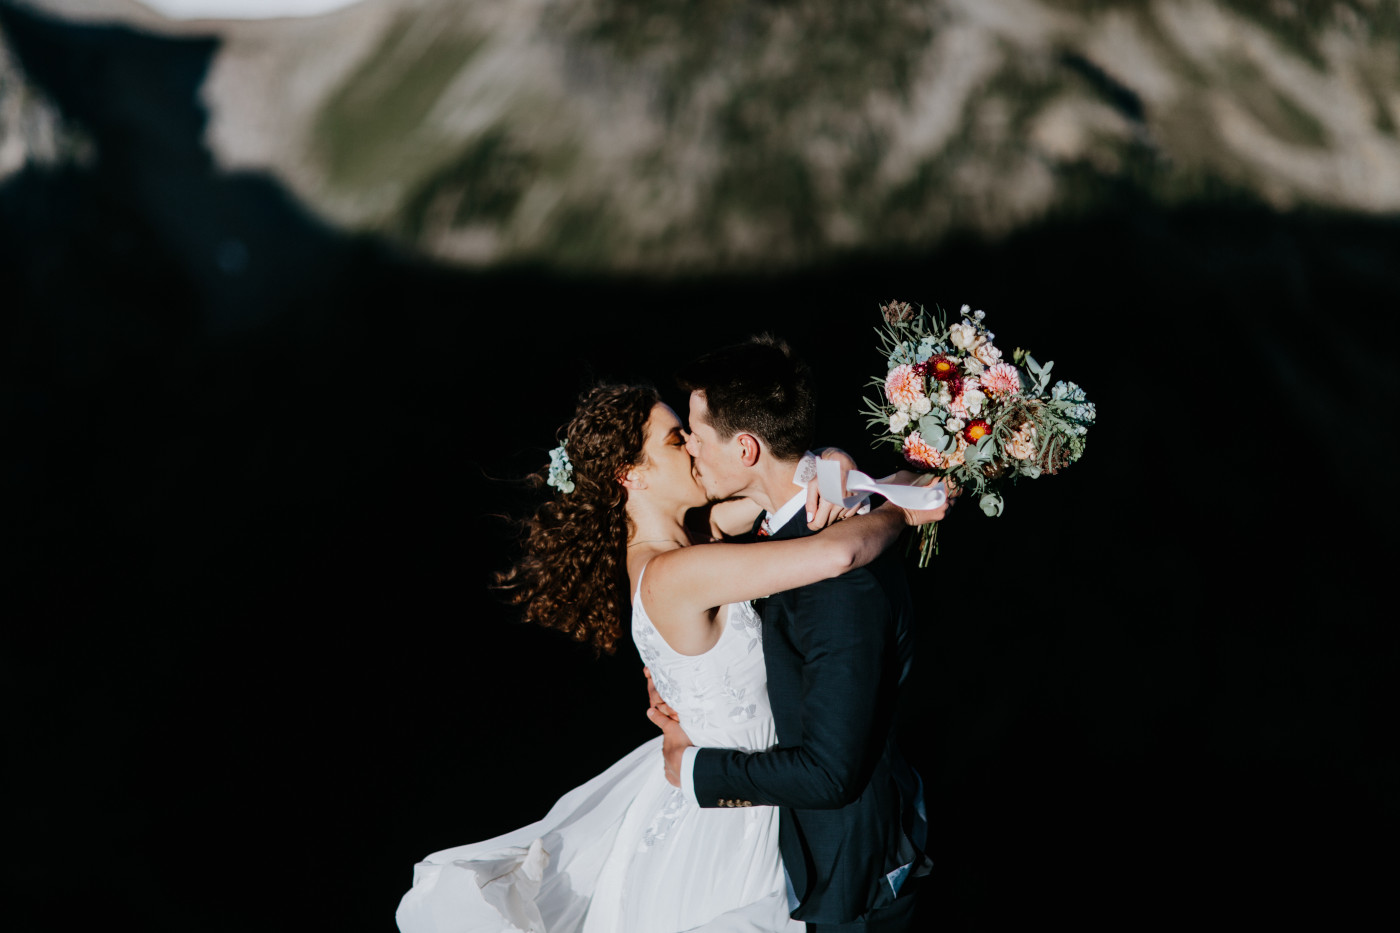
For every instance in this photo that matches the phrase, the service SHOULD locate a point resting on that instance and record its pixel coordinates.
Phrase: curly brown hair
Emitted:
(573, 574)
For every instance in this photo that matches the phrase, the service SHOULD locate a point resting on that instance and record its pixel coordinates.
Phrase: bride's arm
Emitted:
(733, 517)
(695, 579)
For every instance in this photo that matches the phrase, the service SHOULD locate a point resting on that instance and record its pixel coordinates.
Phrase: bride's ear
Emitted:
(632, 478)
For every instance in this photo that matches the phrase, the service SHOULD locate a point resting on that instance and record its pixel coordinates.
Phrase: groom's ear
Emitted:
(749, 449)
(631, 480)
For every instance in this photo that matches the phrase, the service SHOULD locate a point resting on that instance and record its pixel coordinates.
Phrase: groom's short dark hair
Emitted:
(757, 387)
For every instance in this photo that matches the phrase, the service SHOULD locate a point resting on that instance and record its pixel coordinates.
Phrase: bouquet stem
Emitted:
(928, 543)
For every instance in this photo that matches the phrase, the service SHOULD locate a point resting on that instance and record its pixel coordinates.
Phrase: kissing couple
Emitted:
(776, 795)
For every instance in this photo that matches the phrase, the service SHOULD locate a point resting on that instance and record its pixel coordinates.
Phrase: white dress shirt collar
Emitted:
(806, 470)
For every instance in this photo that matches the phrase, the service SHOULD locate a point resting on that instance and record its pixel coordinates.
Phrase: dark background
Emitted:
(250, 470)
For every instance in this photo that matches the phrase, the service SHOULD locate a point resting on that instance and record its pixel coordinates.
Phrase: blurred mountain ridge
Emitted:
(618, 135)
(32, 129)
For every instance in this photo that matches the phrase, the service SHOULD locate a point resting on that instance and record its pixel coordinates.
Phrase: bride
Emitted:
(627, 851)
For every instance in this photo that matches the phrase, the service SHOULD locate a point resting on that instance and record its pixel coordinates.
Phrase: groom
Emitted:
(852, 822)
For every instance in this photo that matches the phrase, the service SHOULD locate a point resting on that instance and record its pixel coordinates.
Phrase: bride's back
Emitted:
(721, 695)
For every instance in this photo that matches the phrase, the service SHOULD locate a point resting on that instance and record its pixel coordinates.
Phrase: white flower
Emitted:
(899, 421)
(965, 309)
(973, 399)
(561, 470)
(954, 425)
(920, 407)
(976, 315)
(972, 366)
(945, 398)
(965, 337)
(987, 354)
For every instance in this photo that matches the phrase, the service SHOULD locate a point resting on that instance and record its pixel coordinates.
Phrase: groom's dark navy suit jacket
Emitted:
(835, 652)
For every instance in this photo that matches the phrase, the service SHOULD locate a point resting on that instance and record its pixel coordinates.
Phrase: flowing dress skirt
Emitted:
(623, 853)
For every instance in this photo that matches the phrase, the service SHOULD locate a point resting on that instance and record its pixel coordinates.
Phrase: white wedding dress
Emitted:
(627, 852)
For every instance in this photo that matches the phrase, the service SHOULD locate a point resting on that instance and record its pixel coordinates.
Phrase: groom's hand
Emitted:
(820, 512)
(916, 517)
(673, 746)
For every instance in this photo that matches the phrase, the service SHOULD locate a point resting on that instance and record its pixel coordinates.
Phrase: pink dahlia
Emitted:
(904, 386)
(1001, 379)
(918, 452)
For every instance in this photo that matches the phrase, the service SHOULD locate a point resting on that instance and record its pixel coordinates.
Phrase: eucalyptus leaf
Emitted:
(928, 424)
(1032, 365)
(985, 449)
(991, 504)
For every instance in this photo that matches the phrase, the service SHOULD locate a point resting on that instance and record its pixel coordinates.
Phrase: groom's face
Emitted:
(719, 463)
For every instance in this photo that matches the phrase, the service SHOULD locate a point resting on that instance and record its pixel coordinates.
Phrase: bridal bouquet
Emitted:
(956, 408)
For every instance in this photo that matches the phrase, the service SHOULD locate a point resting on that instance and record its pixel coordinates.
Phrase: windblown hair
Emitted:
(573, 575)
(758, 387)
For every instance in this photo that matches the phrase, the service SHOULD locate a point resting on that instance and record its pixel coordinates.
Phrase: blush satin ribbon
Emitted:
(918, 498)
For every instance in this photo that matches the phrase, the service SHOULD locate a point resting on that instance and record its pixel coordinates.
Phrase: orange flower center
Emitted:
(943, 365)
(976, 431)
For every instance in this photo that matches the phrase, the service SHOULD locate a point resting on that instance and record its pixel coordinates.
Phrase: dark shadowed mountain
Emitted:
(627, 135)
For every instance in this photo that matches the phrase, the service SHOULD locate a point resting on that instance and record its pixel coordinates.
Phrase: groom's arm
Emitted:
(844, 629)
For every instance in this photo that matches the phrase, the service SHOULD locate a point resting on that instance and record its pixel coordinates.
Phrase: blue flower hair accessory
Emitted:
(561, 471)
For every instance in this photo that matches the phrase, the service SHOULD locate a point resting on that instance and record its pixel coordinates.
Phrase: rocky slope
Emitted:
(32, 130)
(631, 135)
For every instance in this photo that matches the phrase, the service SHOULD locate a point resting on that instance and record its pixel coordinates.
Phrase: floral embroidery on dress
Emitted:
(746, 623)
(643, 634)
(742, 712)
(666, 818)
(719, 695)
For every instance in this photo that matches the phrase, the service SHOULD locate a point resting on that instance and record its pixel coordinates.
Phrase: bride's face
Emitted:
(669, 471)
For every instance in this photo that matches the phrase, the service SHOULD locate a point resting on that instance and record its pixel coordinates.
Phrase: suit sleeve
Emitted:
(843, 628)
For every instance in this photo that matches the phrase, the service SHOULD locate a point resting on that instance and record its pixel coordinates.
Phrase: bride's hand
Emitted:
(820, 512)
(657, 703)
